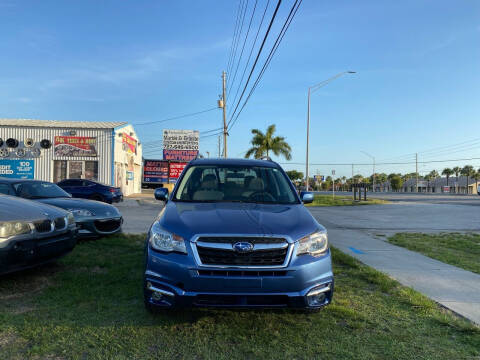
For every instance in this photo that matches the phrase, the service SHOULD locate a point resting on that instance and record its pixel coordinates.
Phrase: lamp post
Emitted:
(311, 90)
(373, 158)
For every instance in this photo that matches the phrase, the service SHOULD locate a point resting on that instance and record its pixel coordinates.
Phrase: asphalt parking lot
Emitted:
(361, 231)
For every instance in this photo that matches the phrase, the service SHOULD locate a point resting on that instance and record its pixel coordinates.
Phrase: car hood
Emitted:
(97, 207)
(190, 219)
(18, 209)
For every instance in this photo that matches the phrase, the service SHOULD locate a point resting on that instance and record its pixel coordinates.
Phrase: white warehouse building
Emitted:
(107, 152)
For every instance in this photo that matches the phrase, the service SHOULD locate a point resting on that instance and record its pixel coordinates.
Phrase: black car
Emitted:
(93, 218)
(32, 233)
(89, 189)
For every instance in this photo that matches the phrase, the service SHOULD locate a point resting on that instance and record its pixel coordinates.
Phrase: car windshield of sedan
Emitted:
(213, 183)
(39, 190)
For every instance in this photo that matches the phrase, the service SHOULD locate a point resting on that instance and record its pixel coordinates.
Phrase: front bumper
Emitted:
(174, 280)
(98, 226)
(27, 253)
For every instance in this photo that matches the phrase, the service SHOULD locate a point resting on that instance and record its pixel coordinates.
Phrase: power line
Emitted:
(279, 39)
(384, 163)
(232, 65)
(243, 47)
(175, 117)
(250, 55)
(258, 55)
(235, 29)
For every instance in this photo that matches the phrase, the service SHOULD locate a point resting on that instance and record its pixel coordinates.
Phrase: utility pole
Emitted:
(416, 172)
(352, 173)
(308, 137)
(224, 81)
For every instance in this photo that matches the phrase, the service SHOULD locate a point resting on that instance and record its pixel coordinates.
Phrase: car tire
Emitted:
(97, 197)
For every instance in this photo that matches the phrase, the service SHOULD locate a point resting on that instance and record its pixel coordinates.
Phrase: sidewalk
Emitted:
(454, 288)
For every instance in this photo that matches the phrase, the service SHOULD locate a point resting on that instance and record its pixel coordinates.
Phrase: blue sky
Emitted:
(417, 86)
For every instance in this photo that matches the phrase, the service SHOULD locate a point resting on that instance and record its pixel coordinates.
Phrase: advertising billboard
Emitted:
(129, 144)
(155, 171)
(175, 170)
(180, 145)
(75, 146)
(17, 169)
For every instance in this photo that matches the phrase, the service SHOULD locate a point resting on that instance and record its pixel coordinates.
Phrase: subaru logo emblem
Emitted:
(243, 247)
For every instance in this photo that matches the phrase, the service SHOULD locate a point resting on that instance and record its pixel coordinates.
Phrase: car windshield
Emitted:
(214, 183)
(39, 190)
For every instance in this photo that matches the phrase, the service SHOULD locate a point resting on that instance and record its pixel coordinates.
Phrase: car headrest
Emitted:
(247, 180)
(209, 182)
(256, 184)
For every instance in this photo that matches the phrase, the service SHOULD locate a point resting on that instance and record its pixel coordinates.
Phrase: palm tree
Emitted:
(447, 172)
(428, 177)
(264, 143)
(433, 176)
(467, 171)
(456, 170)
(476, 176)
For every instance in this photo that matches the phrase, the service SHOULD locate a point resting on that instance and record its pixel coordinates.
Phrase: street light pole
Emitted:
(373, 158)
(311, 90)
(308, 137)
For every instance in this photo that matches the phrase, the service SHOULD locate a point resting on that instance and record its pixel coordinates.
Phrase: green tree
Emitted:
(467, 171)
(392, 175)
(456, 170)
(294, 175)
(264, 143)
(447, 172)
(396, 182)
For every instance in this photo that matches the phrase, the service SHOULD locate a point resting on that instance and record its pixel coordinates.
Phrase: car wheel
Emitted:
(97, 197)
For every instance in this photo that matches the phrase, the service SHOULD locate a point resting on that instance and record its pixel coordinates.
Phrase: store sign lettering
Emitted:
(17, 169)
(75, 146)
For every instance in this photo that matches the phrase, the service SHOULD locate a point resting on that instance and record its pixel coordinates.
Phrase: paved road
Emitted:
(473, 200)
(139, 214)
(361, 231)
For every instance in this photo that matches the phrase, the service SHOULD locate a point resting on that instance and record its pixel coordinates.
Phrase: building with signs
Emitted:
(179, 147)
(108, 152)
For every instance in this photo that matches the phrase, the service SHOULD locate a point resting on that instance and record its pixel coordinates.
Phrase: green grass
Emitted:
(342, 200)
(461, 250)
(90, 306)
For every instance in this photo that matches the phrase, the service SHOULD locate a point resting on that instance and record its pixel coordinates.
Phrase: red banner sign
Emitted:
(75, 146)
(129, 144)
(176, 169)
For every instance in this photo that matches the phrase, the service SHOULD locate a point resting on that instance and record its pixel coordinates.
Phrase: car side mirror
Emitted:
(161, 194)
(307, 197)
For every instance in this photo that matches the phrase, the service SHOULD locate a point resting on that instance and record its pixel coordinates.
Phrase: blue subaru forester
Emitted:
(234, 233)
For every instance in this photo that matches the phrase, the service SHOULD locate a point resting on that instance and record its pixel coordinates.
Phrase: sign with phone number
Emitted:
(17, 169)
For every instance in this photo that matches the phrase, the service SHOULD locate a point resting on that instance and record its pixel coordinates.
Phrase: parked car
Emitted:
(88, 189)
(93, 218)
(32, 233)
(234, 233)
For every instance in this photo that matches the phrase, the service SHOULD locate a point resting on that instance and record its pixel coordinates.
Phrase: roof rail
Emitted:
(267, 158)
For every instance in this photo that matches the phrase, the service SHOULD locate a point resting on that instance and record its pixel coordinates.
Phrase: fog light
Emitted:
(156, 296)
(317, 296)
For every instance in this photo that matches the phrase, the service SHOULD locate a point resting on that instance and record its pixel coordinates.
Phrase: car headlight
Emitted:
(12, 228)
(162, 240)
(81, 212)
(314, 244)
(70, 219)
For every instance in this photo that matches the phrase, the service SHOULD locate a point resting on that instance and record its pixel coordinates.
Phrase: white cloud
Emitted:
(137, 68)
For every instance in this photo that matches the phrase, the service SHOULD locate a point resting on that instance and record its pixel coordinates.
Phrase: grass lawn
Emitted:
(90, 306)
(461, 250)
(342, 200)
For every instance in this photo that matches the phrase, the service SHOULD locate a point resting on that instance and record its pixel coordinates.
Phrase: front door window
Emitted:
(75, 169)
